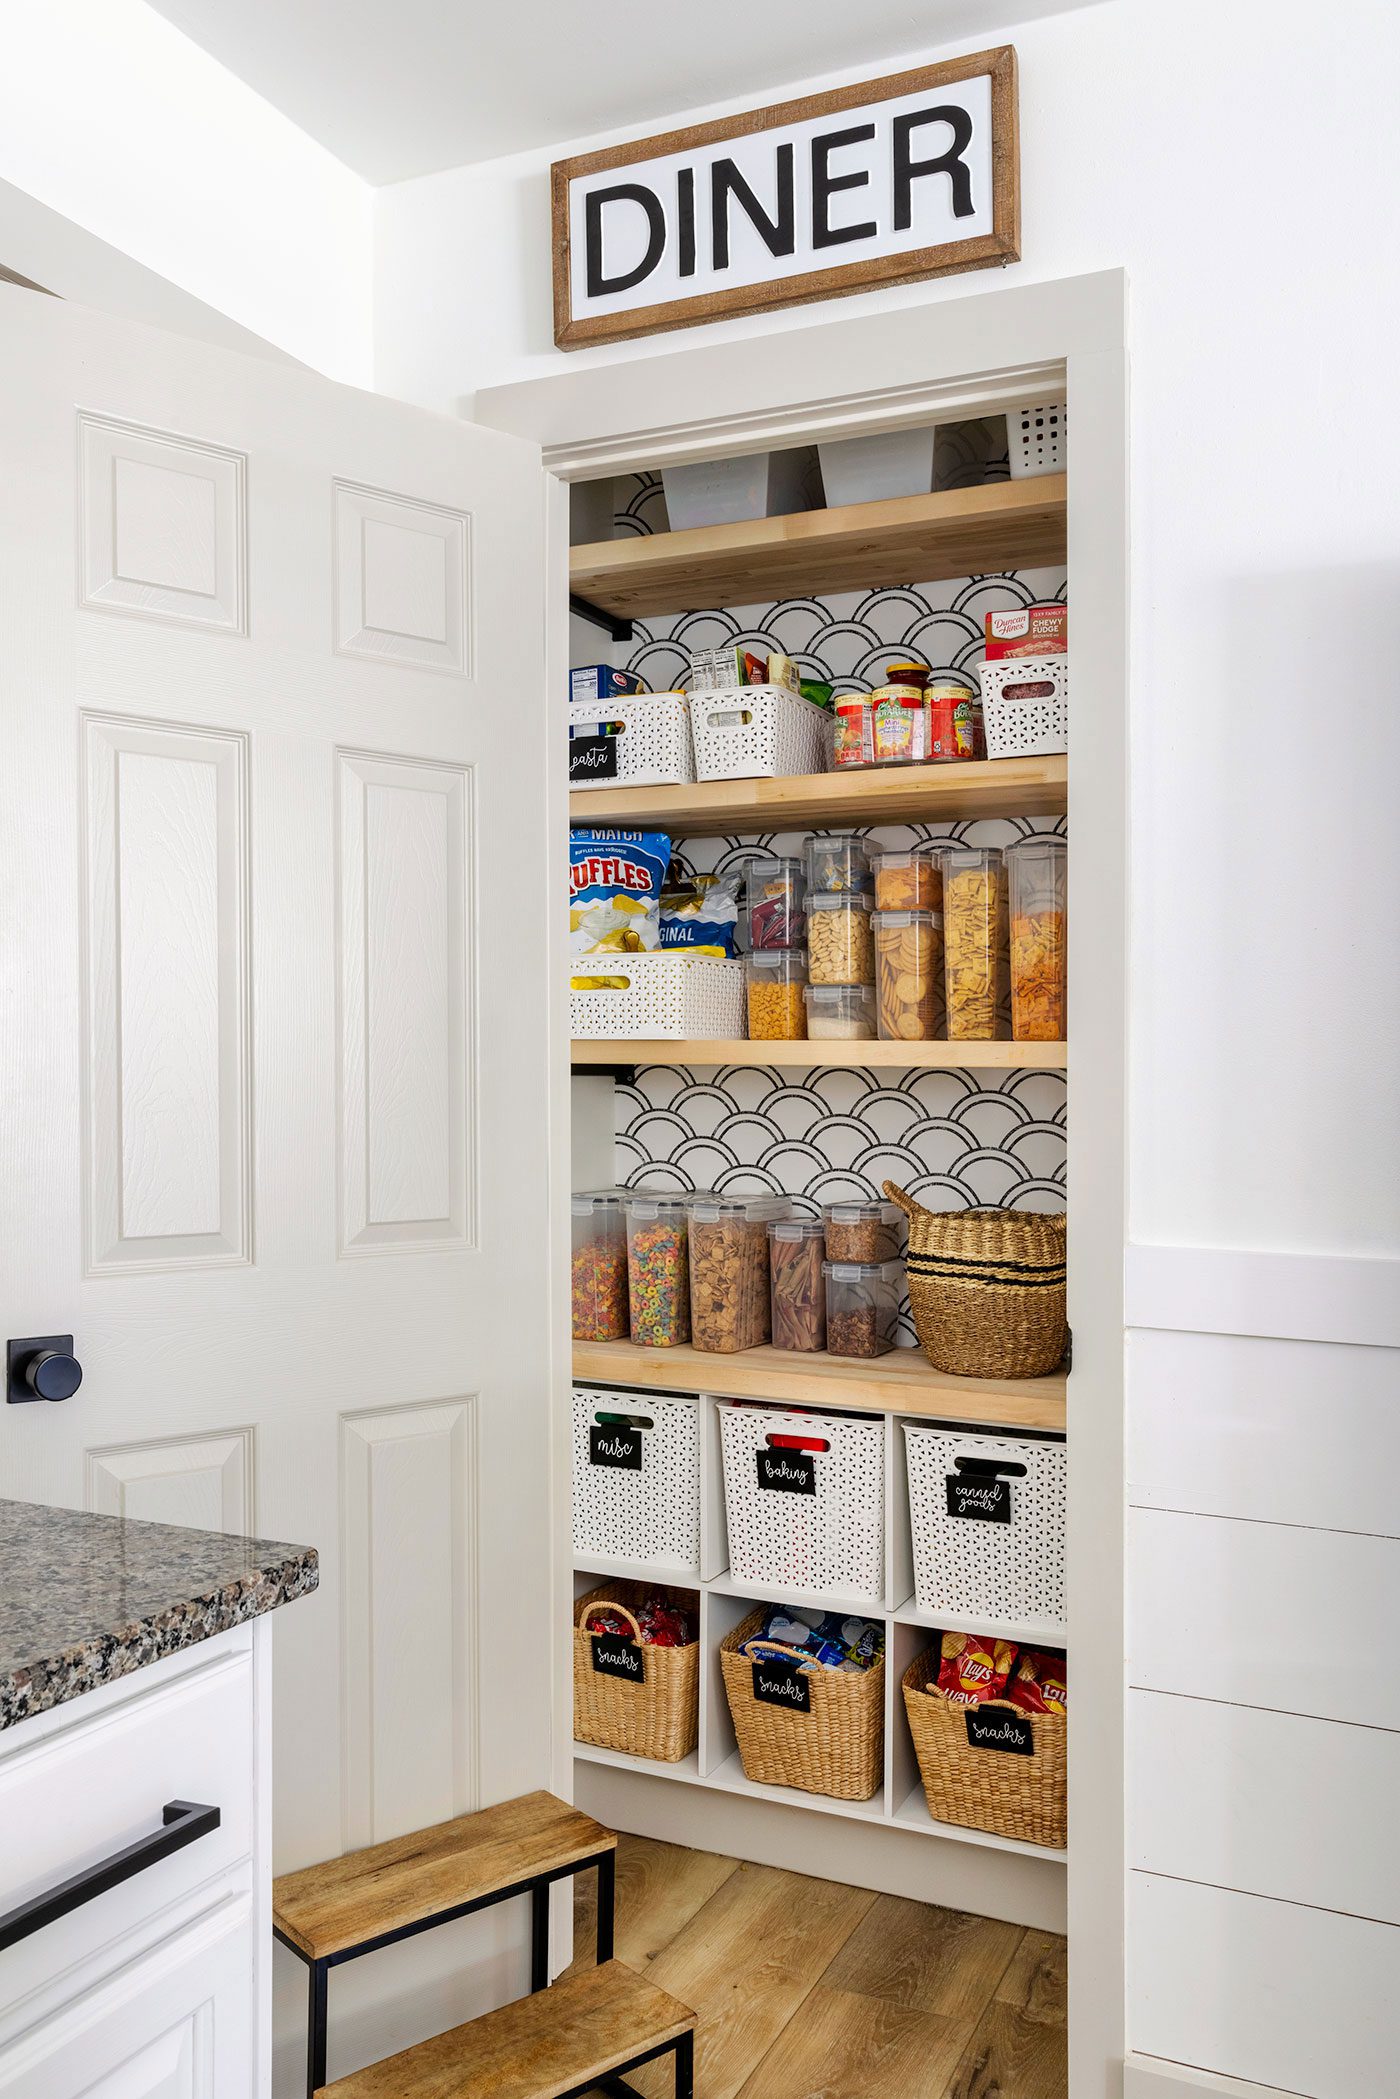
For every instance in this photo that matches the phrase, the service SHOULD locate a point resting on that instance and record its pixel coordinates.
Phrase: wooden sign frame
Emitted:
(983, 251)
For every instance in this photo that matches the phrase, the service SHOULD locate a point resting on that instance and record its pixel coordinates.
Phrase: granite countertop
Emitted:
(85, 1599)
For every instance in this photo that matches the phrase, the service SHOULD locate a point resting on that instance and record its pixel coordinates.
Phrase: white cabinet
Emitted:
(155, 1987)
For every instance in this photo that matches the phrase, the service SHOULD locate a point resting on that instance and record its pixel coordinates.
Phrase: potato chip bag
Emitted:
(1038, 1683)
(974, 1667)
(615, 882)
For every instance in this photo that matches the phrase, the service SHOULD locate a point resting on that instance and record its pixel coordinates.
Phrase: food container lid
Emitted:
(785, 863)
(585, 1201)
(904, 859)
(1027, 848)
(842, 996)
(862, 1271)
(857, 1212)
(664, 1202)
(909, 918)
(840, 900)
(709, 1208)
(970, 856)
(907, 674)
(777, 958)
(797, 1228)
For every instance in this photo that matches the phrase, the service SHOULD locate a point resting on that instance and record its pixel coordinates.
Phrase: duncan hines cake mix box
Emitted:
(1032, 630)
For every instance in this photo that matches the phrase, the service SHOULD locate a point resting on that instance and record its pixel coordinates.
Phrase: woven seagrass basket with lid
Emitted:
(987, 1288)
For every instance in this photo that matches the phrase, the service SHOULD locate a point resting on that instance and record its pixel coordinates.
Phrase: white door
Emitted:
(275, 885)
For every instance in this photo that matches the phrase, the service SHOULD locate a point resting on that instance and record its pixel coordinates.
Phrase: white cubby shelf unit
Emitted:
(724, 1600)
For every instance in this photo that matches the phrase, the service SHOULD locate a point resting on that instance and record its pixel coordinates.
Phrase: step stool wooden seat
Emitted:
(334, 1912)
(588, 2030)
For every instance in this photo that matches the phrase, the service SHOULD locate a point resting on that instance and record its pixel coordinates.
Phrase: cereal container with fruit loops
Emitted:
(658, 1266)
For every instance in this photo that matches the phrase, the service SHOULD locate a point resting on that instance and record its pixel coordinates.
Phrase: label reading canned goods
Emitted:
(981, 1500)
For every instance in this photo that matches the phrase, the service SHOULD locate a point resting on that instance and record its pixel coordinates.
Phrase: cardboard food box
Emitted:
(1032, 630)
(599, 681)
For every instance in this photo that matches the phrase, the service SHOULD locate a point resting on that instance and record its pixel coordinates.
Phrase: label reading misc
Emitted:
(980, 1499)
(614, 1656)
(619, 1447)
(787, 1471)
(777, 1682)
(999, 1729)
(593, 758)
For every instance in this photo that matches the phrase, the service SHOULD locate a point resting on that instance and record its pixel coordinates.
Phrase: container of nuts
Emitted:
(658, 1266)
(796, 1254)
(777, 977)
(862, 1231)
(862, 1306)
(908, 974)
(729, 1308)
(840, 945)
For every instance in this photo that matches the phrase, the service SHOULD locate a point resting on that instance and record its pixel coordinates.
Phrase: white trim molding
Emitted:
(1285, 1297)
(1149, 2077)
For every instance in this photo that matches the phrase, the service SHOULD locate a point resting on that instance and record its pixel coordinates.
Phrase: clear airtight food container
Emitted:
(908, 974)
(776, 979)
(777, 888)
(861, 1231)
(840, 1013)
(862, 1306)
(911, 881)
(974, 940)
(658, 1266)
(599, 1264)
(797, 1292)
(839, 862)
(1038, 869)
(729, 1270)
(840, 947)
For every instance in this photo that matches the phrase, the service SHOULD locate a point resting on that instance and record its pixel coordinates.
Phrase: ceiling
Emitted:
(403, 89)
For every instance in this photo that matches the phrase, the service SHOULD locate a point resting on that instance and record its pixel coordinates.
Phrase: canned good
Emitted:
(899, 725)
(854, 743)
(955, 721)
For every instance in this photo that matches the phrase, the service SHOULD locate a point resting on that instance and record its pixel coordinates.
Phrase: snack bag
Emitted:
(702, 913)
(974, 1667)
(615, 882)
(1038, 1684)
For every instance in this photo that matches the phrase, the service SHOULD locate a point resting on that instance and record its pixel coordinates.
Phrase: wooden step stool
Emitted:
(332, 1913)
(580, 2035)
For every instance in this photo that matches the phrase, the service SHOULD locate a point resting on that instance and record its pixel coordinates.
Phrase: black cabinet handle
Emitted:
(184, 1821)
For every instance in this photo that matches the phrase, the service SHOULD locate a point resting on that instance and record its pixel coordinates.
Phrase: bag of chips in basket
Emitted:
(615, 883)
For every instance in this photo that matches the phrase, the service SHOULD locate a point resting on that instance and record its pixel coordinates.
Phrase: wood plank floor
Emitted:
(808, 1990)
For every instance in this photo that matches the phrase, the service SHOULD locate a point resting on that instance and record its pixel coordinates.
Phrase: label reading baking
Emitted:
(592, 758)
(999, 1729)
(782, 1683)
(787, 1471)
(980, 1500)
(619, 1447)
(614, 1656)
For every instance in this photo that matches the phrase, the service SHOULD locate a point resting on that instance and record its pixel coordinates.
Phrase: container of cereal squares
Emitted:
(908, 974)
(658, 1266)
(974, 940)
(840, 945)
(910, 881)
(840, 1013)
(862, 1231)
(729, 1306)
(777, 977)
(862, 1307)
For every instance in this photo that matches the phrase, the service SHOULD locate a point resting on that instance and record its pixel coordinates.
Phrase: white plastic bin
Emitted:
(1025, 706)
(637, 1483)
(652, 748)
(758, 732)
(668, 993)
(732, 491)
(1035, 440)
(873, 469)
(988, 1520)
(811, 1523)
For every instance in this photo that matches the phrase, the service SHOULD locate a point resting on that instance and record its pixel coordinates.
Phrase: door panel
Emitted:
(275, 896)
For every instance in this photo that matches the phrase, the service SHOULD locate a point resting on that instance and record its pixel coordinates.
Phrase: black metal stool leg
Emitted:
(539, 1935)
(607, 1897)
(685, 2067)
(316, 2028)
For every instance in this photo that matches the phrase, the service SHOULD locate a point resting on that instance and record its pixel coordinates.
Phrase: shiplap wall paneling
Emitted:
(1265, 1614)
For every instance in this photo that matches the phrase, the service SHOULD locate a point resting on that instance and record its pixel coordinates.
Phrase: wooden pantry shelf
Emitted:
(818, 1056)
(900, 794)
(908, 539)
(902, 1382)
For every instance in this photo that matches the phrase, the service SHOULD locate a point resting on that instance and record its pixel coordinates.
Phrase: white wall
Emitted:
(1233, 158)
(128, 130)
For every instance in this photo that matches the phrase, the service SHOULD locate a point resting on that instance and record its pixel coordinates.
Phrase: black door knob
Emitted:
(42, 1367)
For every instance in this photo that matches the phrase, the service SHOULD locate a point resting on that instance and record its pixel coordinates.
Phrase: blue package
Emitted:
(615, 880)
(599, 681)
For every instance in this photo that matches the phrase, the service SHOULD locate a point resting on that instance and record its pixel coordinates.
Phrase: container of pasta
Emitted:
(797, 1291)
(840, 949)
(777, 977)
(1037, 869)
(974, 940)
(908, 972)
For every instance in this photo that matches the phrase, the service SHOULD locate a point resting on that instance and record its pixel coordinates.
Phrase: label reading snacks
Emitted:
(616, 1657)
(981, 1500)
(787, 1471)
(619, 1447)
(999, 1729)
(782, 1683)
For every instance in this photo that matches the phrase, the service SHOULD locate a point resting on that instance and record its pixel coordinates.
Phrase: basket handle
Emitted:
(906, 1203)
(792, 1654)
(601, 1603)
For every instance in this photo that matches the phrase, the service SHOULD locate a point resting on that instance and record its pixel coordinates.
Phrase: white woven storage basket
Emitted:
(668, 993)
(1025, 705)
(827, 1543)
(758, 732)
(1035, 440)
(649, 1513)
(653, 745)
(1002, 1556)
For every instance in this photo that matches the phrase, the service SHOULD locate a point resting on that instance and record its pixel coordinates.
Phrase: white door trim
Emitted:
(1286, 1297)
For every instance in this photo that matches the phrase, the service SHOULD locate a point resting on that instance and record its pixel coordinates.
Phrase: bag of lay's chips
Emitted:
(615, 882)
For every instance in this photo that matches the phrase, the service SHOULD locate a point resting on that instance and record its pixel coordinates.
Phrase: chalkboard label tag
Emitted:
(1012, 1733)
(614, 1656)
(592, 758)
(787, 1471)
(777, 1682)
(619, 1447)
(979, 1499)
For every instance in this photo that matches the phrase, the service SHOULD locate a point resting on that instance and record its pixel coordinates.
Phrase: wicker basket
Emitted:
(1009, 1795)
(837, 1747)
(987, 1288)
(657, 1718)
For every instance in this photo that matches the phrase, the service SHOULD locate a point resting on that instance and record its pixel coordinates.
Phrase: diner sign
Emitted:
(915, 175)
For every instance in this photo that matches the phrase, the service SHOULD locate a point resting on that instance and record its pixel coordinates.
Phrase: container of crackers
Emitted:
(908, 974)
(974, 941)
(911, 880)
(1037, 869)
(729, 1301)
(777, 978)
(840, 947)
